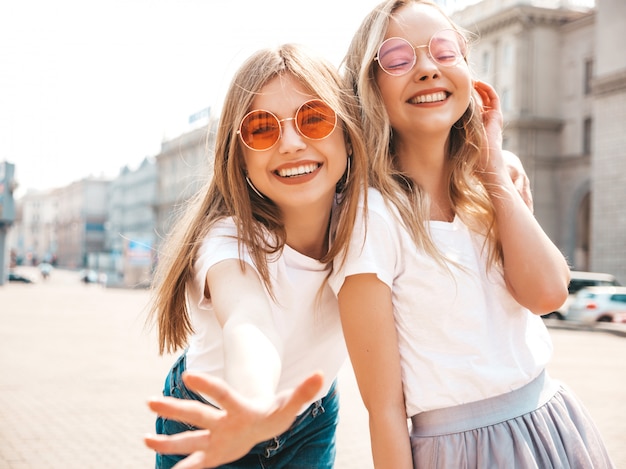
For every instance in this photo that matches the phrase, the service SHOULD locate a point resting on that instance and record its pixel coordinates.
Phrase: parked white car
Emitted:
(579, 280)
(598, 304)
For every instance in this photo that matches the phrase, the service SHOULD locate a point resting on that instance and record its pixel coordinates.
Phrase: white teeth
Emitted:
(429, 98)
(299, 171)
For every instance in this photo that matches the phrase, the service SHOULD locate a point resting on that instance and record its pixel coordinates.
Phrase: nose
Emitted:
(425, 67)
(290, 139)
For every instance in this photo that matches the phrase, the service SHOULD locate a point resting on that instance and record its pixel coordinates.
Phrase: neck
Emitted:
(307, 230)
(424, 161)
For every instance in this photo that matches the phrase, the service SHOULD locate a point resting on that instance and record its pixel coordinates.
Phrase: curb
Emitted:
(615, 329)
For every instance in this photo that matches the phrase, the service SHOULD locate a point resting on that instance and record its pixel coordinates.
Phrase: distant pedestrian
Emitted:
(45, 269)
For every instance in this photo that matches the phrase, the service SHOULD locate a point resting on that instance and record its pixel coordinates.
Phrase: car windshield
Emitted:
(578, 284)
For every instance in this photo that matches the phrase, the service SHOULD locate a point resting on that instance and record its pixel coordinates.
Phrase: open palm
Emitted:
(230, 431)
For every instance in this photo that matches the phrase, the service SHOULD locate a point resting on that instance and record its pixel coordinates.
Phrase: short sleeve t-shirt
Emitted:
(462, 336)
(306, 318)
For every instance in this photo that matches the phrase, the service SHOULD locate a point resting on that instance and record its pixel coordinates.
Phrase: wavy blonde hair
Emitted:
(467, 194)
(228, 194)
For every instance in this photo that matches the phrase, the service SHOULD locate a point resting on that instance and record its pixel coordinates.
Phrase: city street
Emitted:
(77, 364)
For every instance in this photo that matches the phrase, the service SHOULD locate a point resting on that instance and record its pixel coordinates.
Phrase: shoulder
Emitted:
(220, 242)
(379, 210)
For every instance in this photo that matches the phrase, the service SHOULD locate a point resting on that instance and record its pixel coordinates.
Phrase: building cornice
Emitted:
(609, 84)
(534, 123)
(483, 23)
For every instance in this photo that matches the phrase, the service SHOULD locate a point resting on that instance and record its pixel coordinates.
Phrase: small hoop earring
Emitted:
(343, 182)
(471, 116)
(256, 191)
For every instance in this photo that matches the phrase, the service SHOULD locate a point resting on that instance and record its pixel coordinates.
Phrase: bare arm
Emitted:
(252, 346)
(249, 411)
(535, 270)
(370, 333)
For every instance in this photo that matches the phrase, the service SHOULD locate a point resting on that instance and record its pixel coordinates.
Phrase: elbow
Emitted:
(548, 304)
(542, 296)
(549, 299)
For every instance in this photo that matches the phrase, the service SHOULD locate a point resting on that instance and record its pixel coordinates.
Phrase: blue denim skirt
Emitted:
(308, 444)
(540, 426)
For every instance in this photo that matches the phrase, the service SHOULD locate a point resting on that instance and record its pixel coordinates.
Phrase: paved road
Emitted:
(76, 365)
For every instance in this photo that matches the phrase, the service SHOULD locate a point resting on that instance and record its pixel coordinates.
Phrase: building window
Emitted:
(507, 55)
(505, 99)
(486, 62)
(588, 75)
(587, 124)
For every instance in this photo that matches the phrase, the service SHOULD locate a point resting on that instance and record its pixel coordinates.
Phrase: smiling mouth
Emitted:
(298, 170)
(429, 98)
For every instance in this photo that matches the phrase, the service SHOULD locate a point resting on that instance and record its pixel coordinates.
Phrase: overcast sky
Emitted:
(87, 87)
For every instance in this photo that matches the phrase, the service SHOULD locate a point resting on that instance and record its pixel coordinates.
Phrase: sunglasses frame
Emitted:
(462, 44)
(280, 124)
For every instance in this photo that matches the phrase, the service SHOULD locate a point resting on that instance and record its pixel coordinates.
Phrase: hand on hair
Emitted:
(519, 177)
(494, 156)
(228, 433)
(493, 123)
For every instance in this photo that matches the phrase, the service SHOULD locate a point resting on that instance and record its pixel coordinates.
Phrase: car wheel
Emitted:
(553, 315)
(605, 319)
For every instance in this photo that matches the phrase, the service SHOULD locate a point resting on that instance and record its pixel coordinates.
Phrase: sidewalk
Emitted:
(77, 365)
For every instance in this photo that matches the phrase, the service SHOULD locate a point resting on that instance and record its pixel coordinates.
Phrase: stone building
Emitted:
(33, 237)
(130, 233)
(184, 166)
(563, 93)
(81, 217)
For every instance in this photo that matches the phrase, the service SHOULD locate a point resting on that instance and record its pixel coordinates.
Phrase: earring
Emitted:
(256, 191)
(343, 182)
(464, 121)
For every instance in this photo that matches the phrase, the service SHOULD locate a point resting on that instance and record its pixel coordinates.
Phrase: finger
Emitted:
(185, 410)
(309, 388)
(303, 393)
(216, 389)
(179, 443)
(484, 97)
(196, 460)
(488, 95)
(527, 194)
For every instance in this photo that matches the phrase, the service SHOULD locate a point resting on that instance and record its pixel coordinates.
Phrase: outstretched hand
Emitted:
(228, 433)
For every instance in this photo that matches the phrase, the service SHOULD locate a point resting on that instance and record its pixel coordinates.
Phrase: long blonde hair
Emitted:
(228, 194)
(466, 192)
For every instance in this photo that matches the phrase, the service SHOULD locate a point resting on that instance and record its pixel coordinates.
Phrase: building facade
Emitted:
(184, 166)
(130, 227)
(33, 238)
(564, 113)
(81, 217)
(558, 68)
(608, 166)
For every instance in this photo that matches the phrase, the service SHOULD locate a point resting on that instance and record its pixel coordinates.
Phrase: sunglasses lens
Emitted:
(260, 130)
(316, 120)
(396, 56)
(447, 48)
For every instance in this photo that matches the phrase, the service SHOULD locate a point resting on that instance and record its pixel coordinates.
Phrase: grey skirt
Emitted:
(542, 425)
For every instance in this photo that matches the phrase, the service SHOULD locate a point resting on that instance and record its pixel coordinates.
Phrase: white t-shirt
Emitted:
(461, 338)
(309, 324)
